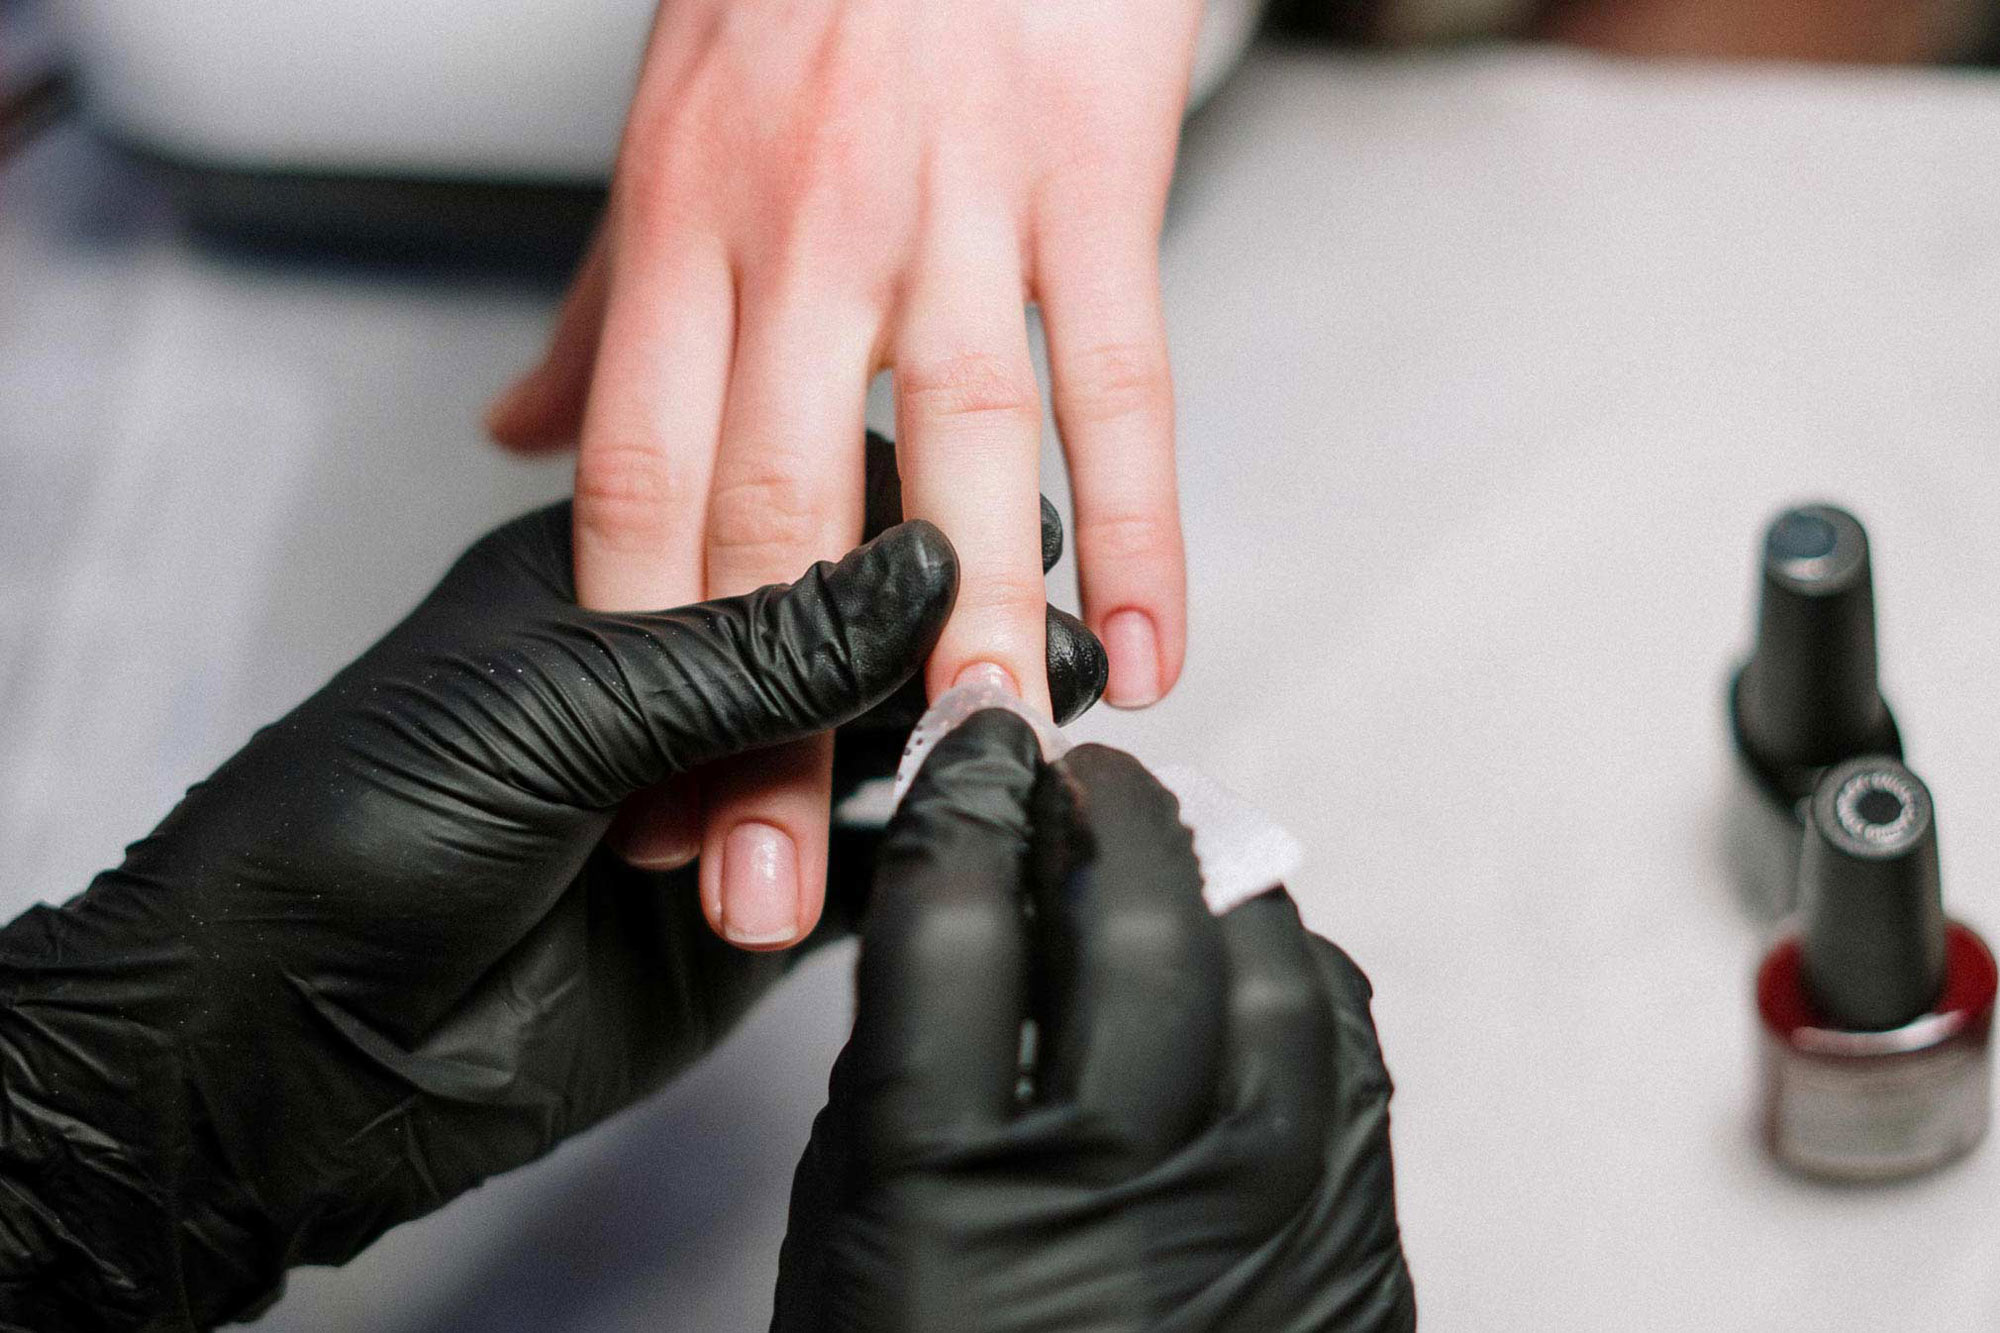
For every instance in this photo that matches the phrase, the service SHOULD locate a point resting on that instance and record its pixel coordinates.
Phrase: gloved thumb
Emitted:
(741, 673)
(501, 671)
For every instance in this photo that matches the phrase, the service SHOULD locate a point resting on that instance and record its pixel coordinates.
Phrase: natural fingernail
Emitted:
(990, 674)
(659, 829)
(1134, 649)
(658, 849)
(760, 886)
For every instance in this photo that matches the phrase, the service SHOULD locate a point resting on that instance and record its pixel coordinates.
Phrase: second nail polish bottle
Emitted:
(1877, 1015)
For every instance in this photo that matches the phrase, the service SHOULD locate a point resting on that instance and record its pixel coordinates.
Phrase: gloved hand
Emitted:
(1193, 1133)
(379, 956)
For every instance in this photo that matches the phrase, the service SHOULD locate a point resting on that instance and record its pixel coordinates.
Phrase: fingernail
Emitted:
(760, 886)
(501, 411)
(659, 829)
(990, 674)
(647, 850)
(1134, 650)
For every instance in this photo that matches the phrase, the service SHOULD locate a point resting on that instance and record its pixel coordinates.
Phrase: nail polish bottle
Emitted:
(1808, 697)
(1877, 1014)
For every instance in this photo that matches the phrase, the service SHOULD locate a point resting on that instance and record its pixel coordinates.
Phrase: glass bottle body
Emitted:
(1849, 1105)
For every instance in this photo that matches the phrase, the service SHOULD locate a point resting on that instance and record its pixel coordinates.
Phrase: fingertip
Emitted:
(883, 487)
(759, 897)
(1118, 782)
(659, 829)
(899, 589)
(998, 624)
(1078, 667)
(927, 551)
(764, 844)
(1052, 535)
(984, 769)
(518, 418)
(657, 853)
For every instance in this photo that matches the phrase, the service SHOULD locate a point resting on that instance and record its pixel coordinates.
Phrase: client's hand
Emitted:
(809, 192)
(379, 955)
(1076, 1100)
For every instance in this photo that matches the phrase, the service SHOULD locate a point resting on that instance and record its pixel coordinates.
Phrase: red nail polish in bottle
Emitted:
(1878, 1013)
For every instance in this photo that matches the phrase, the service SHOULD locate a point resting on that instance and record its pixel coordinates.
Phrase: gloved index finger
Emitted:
(942, 988)
(1278, 1075)
(1133, 997)
(712, 680)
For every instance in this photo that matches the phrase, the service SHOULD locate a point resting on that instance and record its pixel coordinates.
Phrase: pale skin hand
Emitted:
(809, 191)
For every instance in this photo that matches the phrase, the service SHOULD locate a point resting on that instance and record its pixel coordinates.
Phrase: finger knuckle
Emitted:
(667, 162)
(1122, 536)
(1004, 591)
(626, 494)
(969, 387)
(765, 521)
(814, 165)
(1117, 381)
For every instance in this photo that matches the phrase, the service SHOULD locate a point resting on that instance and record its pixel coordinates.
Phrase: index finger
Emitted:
(1134, 1014)
(942, 983)
(651, 423)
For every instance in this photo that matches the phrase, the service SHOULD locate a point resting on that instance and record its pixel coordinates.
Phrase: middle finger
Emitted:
(788, 490)
(968, 441)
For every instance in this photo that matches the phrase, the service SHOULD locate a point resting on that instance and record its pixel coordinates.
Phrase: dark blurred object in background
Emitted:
(471, 224)
(1865, 32)
(35, 90)
(35, 100)
(1870, 32)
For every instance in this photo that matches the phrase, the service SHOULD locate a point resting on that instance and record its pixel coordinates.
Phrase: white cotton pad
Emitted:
(1242, 850)
(953, 707)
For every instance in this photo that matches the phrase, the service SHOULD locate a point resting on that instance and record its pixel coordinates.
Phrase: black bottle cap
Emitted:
(1873, 939)
(1808, 698)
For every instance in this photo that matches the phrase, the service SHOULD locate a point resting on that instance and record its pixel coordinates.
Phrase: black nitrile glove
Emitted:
(1193, 1134)
(1078, 667)
(378, 956)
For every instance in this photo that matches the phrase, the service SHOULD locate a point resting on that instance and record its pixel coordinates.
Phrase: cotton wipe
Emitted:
(1243, 851)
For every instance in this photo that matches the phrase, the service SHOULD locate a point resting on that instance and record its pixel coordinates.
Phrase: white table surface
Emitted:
(1490, 368)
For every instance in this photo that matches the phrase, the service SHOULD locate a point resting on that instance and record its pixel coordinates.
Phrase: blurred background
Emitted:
(1499, 327)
